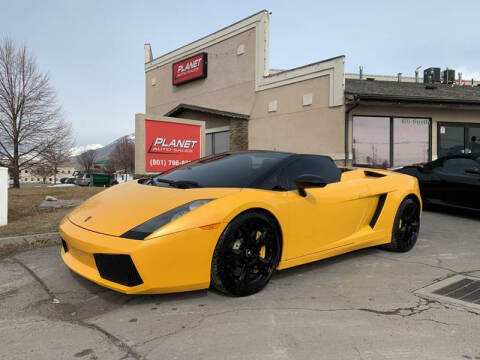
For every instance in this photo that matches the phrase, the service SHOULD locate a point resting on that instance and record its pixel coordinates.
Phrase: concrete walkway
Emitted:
(356, 306)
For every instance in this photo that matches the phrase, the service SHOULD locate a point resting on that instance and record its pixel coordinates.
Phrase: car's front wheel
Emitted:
(405, 226)
(246, 254)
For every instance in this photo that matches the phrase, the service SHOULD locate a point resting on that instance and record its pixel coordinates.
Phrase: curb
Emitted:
(9, 245)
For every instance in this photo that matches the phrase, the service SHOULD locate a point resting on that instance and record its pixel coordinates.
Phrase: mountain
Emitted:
(104, 152)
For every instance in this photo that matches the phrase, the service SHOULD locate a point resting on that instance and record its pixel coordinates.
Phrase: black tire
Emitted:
(246, 254)
(405, 227)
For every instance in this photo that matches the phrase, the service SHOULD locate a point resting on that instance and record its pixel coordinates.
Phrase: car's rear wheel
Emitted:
(246, 254)
(405, 226)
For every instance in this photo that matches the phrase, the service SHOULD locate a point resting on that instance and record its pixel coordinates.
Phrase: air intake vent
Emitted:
(373, 174)
(117, 268)
(64, 245)
(378, 210)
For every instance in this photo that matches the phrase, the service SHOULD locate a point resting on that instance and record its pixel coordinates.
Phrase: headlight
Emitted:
(143, 230)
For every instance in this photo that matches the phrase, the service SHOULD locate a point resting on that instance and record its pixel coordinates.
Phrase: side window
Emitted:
(458, 166)
(311, 165)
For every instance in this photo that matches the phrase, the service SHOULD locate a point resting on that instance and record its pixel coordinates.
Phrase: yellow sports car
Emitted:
(230, 220)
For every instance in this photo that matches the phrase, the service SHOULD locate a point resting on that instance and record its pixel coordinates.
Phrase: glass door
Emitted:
(473, 139)
(451, 139)
(458, 138)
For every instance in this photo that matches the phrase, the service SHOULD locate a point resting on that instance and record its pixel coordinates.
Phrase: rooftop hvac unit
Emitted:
(448, 76)
(431, 75)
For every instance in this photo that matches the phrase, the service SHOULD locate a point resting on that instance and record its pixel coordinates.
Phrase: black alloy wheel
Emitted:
(406, 226)
(246, 254)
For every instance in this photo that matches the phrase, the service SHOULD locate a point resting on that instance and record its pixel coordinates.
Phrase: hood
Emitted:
(122, 207)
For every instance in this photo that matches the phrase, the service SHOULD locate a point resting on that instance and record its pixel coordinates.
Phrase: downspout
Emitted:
(350, 105)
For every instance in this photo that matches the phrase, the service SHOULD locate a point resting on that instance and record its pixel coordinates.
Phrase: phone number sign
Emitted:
(170, 144)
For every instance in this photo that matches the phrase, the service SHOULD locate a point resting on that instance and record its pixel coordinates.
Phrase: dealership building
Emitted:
(220, 90)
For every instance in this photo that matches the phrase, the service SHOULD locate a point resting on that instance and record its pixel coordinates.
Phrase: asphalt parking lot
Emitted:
(362, 305)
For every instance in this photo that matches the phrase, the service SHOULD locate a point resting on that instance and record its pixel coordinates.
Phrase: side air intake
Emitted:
(378, 210)
(373, 174)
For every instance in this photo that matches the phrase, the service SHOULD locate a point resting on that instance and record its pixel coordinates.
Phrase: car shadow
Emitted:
(110, 299)
(467, 214)
(115, 298)
(325, 263)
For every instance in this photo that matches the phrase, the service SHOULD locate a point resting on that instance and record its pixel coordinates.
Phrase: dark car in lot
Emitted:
(452, 181)
(70, 180)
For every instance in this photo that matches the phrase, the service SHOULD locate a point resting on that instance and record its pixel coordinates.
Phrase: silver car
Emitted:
(82, 179)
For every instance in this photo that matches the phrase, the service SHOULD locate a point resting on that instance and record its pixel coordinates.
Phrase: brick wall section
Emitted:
(238, 135)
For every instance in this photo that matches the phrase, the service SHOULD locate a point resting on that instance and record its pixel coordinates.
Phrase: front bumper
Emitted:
(172, 263)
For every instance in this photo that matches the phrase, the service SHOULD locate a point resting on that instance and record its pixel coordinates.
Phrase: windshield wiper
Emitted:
(185, 184)
(169, 182)
(180, 184)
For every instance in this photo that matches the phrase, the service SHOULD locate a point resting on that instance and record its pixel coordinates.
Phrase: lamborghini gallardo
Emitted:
(228, 221)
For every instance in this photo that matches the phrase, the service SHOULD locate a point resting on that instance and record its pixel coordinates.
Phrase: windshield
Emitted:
(224, 170)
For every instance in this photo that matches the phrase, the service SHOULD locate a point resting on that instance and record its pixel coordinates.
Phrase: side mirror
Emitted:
(475, 171)
(308, 181)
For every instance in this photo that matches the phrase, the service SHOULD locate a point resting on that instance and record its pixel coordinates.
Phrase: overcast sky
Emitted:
(93, 49)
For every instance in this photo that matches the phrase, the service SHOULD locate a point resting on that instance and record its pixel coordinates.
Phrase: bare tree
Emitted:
(109, 168)
(59, 152)
(87, 160)
(42, 170)
(30, 119)
(123, 155)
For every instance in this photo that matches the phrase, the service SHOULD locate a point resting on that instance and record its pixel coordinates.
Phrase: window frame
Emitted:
(391, 140)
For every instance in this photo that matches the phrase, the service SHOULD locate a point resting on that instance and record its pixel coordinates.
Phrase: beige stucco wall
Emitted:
(229, 86)
(436, 113)
(239, 81)
(313, 129)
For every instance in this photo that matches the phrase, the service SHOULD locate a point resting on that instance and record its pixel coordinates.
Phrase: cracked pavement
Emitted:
(360, 305)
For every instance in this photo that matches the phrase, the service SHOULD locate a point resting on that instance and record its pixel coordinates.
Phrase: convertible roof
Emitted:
(473, 156)
(277, 152)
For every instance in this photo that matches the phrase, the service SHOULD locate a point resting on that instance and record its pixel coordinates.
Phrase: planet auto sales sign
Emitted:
(170, 144)
(195, 67)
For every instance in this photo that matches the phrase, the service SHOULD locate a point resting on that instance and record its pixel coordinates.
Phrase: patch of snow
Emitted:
(77, 150)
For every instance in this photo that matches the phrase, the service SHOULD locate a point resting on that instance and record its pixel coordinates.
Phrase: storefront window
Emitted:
(221, 142)
(384, 142)
(217, 142)
(209, 144)
(371, 141)
(410, 141)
